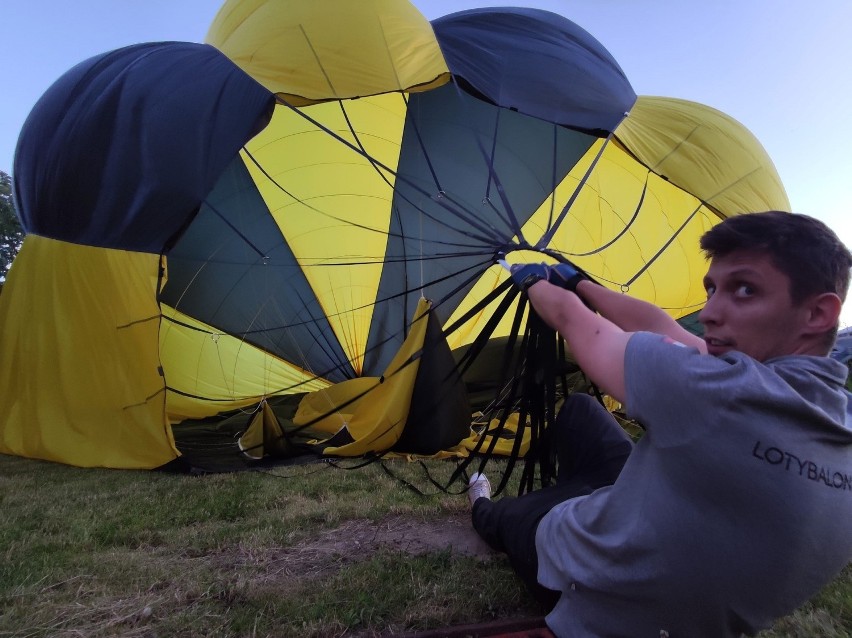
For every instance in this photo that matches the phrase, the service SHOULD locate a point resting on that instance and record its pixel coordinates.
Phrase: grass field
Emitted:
(301, 551)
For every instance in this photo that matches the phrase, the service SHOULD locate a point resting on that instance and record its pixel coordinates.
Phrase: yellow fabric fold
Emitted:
(264, 435)
(373, 410)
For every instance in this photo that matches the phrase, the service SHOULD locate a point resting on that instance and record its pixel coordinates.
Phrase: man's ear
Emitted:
(823, 313)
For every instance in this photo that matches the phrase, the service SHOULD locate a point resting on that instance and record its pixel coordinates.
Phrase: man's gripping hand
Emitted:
(525, 275)
(565, 276)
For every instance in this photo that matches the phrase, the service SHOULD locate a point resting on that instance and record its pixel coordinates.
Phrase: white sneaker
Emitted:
(478, 487)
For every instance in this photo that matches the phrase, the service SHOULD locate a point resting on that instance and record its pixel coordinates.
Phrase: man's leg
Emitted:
(591, 449)
(509, 526)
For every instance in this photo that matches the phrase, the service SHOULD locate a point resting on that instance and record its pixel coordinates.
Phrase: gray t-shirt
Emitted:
(734, 508)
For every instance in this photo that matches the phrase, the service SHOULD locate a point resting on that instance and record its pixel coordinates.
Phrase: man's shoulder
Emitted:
(661, 373)
(665, 356)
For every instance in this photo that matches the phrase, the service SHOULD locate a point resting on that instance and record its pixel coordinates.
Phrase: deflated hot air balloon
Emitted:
(295, 228)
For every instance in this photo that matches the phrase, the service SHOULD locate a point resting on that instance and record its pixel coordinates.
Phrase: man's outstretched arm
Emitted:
(634, 315)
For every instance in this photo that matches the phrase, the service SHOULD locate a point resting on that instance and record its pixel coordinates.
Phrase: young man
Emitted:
(735, 506)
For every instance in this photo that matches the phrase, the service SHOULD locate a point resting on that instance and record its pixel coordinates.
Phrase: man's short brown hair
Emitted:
(803, 248)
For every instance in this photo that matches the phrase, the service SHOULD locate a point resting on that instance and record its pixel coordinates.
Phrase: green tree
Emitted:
(11, 233)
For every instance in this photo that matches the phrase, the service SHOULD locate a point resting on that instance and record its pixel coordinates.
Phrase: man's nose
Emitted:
(710, 312)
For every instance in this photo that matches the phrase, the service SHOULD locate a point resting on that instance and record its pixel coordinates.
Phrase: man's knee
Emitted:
(581, 417)
(580, 406)
(588, 439)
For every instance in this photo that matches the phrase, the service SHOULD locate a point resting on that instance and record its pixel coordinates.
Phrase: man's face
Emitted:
(749, 308)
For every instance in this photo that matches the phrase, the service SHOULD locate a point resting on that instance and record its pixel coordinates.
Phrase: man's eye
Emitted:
(744, 290)
(710, 290)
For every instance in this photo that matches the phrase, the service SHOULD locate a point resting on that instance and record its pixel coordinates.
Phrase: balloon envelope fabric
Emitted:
(283, 249)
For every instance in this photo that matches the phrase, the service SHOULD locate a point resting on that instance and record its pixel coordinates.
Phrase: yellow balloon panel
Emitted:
(599, 211)
(705, 152)
(95, 398)
(213, 372)
(333, 49)
(332, 203)
(634, 231)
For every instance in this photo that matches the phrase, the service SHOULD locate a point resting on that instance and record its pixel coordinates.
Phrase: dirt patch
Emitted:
(357, 540)
(403, 534)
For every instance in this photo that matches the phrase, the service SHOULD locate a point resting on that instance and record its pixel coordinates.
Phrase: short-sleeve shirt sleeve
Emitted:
(668, 384)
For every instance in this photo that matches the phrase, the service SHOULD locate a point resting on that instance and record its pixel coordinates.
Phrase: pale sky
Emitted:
(781, 68)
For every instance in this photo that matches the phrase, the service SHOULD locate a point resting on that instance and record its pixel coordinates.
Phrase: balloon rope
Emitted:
(513, 222)
(548, 236)
(485, 233)
(420, 242)
(664, 246)
(624, 230)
